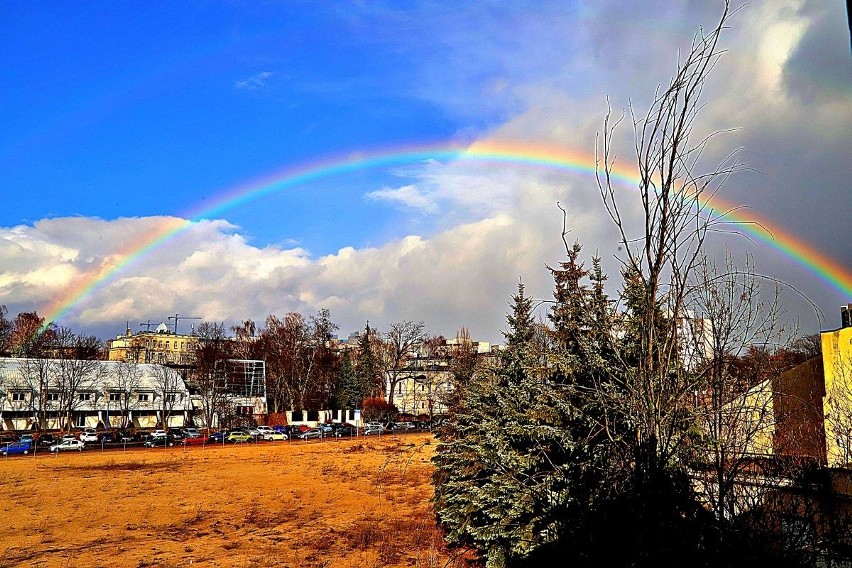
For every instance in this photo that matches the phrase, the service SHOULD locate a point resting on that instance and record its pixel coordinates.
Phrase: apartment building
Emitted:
(56, 394)
(160, 346)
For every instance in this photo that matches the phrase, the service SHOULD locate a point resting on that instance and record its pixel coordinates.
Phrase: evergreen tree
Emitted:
(349, 393)
(504, 459)
(368, 369)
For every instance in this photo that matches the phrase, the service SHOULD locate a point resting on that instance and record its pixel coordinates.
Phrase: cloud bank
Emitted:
(784, 85)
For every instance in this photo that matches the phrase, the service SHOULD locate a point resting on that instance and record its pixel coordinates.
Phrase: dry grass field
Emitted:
(353, 503)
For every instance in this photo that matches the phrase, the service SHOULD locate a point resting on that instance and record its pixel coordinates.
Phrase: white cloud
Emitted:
(254, 82)
(408, 196)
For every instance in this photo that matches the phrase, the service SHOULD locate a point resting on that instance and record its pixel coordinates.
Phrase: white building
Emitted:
(426, 382)
(58, 394)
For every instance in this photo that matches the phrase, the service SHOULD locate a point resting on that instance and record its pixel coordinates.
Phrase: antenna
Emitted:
(147, 325)
(178, 317)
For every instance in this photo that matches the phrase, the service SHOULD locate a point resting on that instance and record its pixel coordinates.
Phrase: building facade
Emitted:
(60, 394)
(426, 382)
(161, 346)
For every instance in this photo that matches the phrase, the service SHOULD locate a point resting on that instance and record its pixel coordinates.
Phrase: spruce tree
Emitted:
(368, 371)
(349, 394)
(503, 461)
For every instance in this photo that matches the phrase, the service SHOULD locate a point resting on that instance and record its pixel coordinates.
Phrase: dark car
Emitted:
(166, 441)
(47, 440)
(344, 430)
(124, 436)
(217, 437)
(177, 434)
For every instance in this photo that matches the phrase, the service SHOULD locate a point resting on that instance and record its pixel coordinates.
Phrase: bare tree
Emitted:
(37, 375)
(75, 378)
(122, 386)
(735, 417)
(399, 347)
(301, 366)
(283, 340)
(168, 391)
(205, 380)
(245, 340)
(658, 261)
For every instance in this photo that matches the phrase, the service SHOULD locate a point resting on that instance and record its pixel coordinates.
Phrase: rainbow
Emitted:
(491, 152)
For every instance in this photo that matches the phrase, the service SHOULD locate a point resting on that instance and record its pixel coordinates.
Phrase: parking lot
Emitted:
(330, 502)
(122, 440)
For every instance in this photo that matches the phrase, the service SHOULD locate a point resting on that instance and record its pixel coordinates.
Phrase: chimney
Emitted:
(846, 316)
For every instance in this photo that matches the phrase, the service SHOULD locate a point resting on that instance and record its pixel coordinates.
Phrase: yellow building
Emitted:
(160, 346)
(837, 404)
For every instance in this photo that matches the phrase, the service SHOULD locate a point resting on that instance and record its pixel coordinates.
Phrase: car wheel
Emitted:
(26, 452)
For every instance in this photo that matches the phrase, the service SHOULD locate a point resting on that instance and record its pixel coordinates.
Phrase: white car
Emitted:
(263, 430)
(158, 434)
(88, 435)
(68, 445)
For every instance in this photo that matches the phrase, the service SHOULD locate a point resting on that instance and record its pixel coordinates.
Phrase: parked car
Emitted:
(239, 436)
(69, 438)
(402, 426)
(373, 430)
(16, 448)
(158, 434)
(28, 438)
(68, 444)
(326, 428)
(196, 441)
(192, 432)
(342, 430)
(159, 441)
(47, 440)
(269, 436)
(264, 430)
(123, 436)
(312, 433)
(177, 434)
(218, 436)
(89, 435)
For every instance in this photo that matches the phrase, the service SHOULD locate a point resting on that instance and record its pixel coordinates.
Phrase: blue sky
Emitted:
(114, 115)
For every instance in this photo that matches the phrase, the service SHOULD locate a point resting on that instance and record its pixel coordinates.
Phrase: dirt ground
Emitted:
(352, 503)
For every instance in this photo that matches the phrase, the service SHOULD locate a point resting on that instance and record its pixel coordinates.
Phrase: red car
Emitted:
(195, 441)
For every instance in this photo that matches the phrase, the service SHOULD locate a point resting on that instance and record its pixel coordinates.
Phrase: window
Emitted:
(167, 344)
(84, 396)
(171, 397)
(53, 396)
(19, 396)
(115, 397)
(144, 397)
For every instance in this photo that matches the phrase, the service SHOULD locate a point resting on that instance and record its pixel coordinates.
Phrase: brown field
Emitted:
(353, 503)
